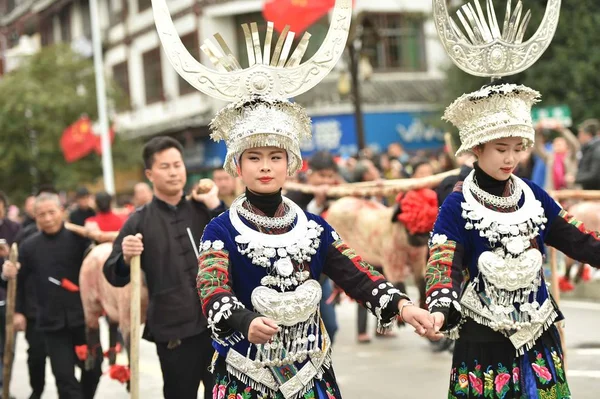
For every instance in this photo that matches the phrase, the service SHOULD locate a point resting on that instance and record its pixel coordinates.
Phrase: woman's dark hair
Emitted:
(322, 160)
(159, 144)
(103, 201)
(590, 126)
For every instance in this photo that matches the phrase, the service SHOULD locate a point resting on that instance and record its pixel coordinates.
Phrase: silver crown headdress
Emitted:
(482, 49)
(260, 113)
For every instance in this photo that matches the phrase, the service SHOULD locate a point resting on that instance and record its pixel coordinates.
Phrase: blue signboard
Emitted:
(337, 134)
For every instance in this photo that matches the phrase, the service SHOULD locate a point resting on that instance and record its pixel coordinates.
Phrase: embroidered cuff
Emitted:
(445, 301)
(220, 311)
(384, 305)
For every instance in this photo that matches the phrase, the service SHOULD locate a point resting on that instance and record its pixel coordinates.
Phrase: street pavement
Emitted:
(390, 368)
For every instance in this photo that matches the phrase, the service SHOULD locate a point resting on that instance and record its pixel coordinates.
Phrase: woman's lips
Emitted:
(506, 170)
(266, 179)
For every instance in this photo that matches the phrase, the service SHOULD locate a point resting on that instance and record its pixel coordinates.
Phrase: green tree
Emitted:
(567, 73)
(45, 95)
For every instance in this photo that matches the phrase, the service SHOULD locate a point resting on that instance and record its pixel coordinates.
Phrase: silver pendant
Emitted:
(284, 267)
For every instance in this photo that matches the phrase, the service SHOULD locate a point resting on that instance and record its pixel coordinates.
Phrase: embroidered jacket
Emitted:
(228, 277)
(468, 262)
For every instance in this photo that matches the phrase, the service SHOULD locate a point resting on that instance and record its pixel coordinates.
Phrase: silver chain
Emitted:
(500, 202)
(266, 221)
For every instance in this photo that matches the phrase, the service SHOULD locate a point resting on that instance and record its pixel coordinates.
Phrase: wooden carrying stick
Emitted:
(9, 344)
(134, 335)
(588, 195)
(383, 187)
(94, 235)
(556, 295)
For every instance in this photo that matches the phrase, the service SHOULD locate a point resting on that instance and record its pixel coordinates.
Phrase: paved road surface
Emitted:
(401, 367)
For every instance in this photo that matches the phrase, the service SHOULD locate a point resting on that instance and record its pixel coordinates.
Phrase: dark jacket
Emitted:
(78, 215)
(46, 258)
(29, 307)
(447, 185)
(588, 174)
(169, 264)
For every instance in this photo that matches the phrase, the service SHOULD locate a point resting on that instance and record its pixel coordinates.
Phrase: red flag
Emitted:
(77, 140)
(298, 14)
(98, 144)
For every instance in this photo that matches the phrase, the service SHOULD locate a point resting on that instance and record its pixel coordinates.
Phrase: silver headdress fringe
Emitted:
(262, 122)
(492, 113)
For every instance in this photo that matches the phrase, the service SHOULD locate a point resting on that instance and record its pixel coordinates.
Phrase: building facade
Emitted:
(401, 72)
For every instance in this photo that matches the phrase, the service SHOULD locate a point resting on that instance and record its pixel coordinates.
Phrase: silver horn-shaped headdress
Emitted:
(260, 114)
(275, 75)
(482, 48)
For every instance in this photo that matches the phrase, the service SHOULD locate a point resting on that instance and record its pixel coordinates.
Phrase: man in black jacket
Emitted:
(158, 232)
(588, 173)
(53, 258)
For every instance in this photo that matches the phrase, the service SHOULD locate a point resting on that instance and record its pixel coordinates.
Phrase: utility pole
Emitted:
(107, 164)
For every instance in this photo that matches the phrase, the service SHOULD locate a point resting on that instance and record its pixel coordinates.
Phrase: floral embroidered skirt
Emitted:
(492, 370)
(226, 386)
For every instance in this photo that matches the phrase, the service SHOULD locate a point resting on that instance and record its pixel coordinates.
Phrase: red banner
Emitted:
(298, 14)
(78, 140)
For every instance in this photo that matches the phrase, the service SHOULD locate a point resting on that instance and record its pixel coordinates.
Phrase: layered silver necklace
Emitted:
(265, 221)
(500, 202)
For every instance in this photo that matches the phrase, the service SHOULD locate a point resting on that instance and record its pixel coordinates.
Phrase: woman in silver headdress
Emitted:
(260, 262)
(485, 282)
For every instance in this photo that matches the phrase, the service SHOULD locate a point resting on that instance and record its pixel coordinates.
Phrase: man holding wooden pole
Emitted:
(164, 233)
(53, 258)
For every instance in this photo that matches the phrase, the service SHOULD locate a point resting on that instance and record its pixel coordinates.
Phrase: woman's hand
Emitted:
(419, 318)
(262, 330)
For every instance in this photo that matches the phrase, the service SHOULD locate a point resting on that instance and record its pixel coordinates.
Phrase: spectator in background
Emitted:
(142, 194)
(390, 168)
(322, 173)
(396, 151)
(82, 210)
(365, 171)
(28, 215)
(105, 219)
(525, 167)
(226, 184)
(588, 174)
(346, 168)
(561, 160)
(421, 168)
(444, 189)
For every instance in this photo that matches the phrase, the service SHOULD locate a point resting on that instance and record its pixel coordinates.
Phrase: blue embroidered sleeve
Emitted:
(445, 268)
(227, 317)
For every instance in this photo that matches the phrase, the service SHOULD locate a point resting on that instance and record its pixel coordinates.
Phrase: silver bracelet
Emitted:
(405, 304)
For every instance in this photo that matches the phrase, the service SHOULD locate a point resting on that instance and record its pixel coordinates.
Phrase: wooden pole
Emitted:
(134, 337)
(383, 187)
(9, 344)
(589, 195)
(556, 295)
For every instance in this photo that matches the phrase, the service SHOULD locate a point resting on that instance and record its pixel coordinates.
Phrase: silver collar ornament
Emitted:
(278, 252)
(260, 114)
